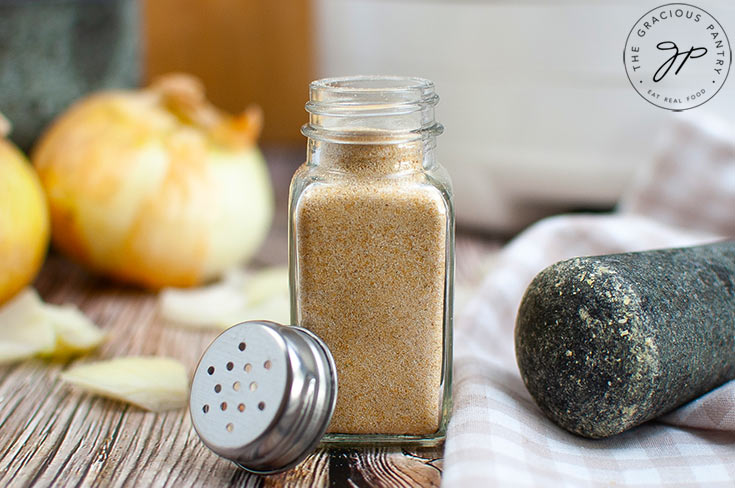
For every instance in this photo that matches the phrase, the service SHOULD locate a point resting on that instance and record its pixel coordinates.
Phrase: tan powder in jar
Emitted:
(371, 281)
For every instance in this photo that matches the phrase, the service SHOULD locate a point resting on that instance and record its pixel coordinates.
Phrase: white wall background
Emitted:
(539, 113)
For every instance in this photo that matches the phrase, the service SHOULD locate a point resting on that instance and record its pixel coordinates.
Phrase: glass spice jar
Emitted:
(371, 256)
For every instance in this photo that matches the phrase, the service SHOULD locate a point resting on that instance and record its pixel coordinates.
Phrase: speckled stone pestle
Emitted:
(605, 343)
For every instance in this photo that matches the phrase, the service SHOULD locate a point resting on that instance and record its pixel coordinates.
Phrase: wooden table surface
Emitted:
(54, 435)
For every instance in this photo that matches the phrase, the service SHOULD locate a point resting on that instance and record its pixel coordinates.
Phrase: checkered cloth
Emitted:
(499, 437)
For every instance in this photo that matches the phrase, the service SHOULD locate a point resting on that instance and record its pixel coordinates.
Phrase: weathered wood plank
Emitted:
(54, 435)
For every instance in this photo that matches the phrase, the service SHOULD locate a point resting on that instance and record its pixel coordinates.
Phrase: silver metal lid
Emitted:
(263, 395)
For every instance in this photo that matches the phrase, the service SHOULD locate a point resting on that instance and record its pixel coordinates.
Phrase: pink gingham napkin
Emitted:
(498, 436)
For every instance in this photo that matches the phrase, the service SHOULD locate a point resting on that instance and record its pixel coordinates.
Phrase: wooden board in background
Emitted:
(245, 51)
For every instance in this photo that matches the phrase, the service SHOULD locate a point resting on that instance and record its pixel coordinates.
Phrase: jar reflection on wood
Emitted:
(372, 256)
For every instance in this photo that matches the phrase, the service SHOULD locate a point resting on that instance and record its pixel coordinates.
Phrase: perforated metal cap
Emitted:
(263, 395)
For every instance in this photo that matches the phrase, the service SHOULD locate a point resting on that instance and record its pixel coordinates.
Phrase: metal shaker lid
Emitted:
(263, 395)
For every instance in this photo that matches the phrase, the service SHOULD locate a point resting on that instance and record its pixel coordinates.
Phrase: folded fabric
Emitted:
(498, 436)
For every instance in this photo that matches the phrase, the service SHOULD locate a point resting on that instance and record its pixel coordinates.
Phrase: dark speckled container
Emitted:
(54, 51)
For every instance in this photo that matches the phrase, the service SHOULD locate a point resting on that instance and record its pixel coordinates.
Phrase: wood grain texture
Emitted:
(54, 435)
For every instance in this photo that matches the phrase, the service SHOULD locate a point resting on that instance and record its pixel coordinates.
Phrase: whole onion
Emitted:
(156, 187)
(24, 225)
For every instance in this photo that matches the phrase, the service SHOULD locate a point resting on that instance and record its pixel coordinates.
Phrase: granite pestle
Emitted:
(605, 343)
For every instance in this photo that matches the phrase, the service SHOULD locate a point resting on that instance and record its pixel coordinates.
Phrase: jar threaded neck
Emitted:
(371, 109)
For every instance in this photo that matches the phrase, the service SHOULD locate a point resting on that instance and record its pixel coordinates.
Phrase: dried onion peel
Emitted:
(29, 327)
(148, 382)
(263, 295)
(75, 332)
(25, 329)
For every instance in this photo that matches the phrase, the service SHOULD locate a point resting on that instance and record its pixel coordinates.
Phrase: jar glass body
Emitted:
(371, 258)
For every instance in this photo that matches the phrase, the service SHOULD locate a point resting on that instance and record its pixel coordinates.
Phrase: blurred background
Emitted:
(165, 200)
(539, 114)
